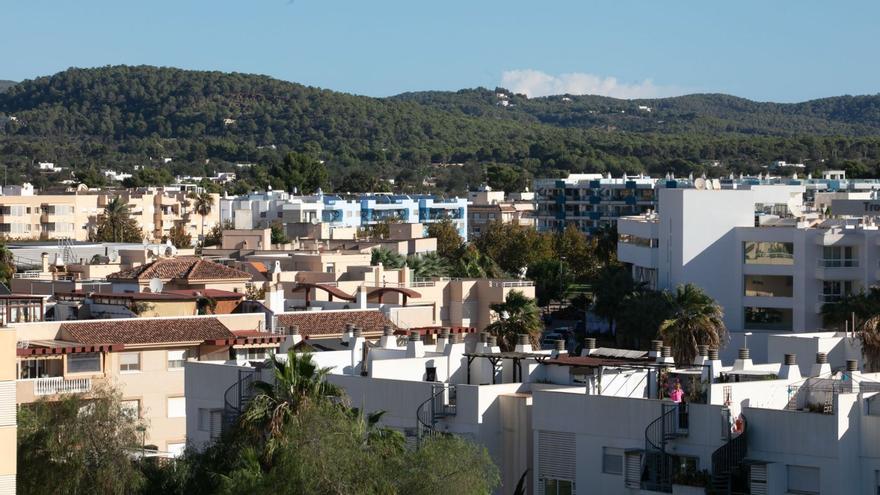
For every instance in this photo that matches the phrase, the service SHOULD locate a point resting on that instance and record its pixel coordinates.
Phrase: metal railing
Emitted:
(727, 459)
(658, 467)
(28, 274)
(237, 397)
(440, 404)
(839, 263)
(511, 283)
(59, 385)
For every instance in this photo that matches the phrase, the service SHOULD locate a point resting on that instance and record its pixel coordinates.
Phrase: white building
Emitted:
(769, 260)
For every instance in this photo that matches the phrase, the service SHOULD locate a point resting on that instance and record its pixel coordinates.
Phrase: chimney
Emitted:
(656, 349)
(414, 346)
(492, 344)
(743, 360)
(702, 355)
(44, 260)
(714, 363)
(442, 340)
(821, 367)
(666, 356)
(481, 345)
(388, 340)
(589, 346)
(789, 369)
(291, 338)
(559, 350)
(852, 377)
(523, 344)
(356, 344)
(347, 334)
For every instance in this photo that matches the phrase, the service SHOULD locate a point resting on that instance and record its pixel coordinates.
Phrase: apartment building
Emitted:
(27, 216)
(259, 210)
(8, 422)
(486, 206)
(144, 358)
(594, 201)
(602, 421)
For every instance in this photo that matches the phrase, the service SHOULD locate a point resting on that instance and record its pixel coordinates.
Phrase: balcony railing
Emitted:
(839, 263)
(59, 385)
(511, 283)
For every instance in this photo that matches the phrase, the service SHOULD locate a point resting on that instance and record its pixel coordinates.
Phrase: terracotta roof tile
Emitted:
(145, 331)
(333, 322)
(185, 267)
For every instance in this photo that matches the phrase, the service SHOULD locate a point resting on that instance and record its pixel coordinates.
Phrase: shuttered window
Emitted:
(7, 403)
(758, 479)
(612, 460)
(556, 463)
(211, 420)
(803, 480)
(632, 469)
(176, 407)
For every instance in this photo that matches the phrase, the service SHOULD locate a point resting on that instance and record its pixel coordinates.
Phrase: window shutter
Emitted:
(216, 423)
(758, 479)
(7, 403)
(632, 469)
(556, 457)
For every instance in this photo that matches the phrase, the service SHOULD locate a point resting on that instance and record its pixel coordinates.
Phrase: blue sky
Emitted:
(775, 50)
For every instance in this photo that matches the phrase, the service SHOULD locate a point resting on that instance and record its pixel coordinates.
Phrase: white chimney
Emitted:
(821, 367)
(666, 356)
(291, 339)
(853, 376)
(414, 346)
(714, 363)
(442, 340)
(523, 344)
(356, 344)
(656, 349)
(481, 345)
(589, 346)
(789, 369)
(559, 350)
(388, 340)
(347, 334)
(743, 360)
(702, 356)
(492, 344)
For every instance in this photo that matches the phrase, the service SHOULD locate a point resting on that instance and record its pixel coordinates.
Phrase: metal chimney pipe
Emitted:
(713, 355)
(522, 339)
(590, 343)
(414, 336)
(790, 359)
(484, 337)
(560, 345)
(656, 345)
(491, 341)
(821, 358)
(357, 332)
(666, 351)
(387, 330)
(852, 365)
(744, 353)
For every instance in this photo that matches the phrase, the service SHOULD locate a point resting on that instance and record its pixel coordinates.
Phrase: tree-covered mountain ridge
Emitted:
(152, 92)
(121, 117)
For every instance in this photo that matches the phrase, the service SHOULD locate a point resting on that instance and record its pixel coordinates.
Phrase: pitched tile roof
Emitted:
(333, 322)
(185, 267)
(145, 331)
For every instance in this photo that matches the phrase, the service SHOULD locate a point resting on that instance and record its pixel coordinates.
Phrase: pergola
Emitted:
(496, 357)
(329, 289)
(379, 292)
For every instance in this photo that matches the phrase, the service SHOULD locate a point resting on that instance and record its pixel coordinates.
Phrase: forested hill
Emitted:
(119, 117)
(4, 85)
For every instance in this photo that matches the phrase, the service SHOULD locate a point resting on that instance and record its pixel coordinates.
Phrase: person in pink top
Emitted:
(677, 393)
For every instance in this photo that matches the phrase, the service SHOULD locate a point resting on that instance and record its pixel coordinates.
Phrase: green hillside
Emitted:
(119, 117)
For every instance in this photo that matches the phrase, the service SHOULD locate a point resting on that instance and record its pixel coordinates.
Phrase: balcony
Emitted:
(59, 385)
(838, 269)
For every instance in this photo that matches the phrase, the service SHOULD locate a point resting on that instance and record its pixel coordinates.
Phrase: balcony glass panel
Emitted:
(768, 285)
(768, 253)
(768, 318)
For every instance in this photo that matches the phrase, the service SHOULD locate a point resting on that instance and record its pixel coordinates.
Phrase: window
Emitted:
(85, 362)
(803, 480)
(132, 407)
(768, 253)
(330, 268)
(558, 487)
(638, 241)
(768, 286)
(177, 407)
(252, 354)
(839, 257)
(835, 290)
(211, 420)
(129, 362)
(768, 318)
(612, 460)
(176, 358)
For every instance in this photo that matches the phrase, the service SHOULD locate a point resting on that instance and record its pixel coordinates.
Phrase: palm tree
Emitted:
(116, 215)
(642, 313)
(474, 264)
(517, 315)
(298, 380)
(387, 258)
(202, 204)
(869, 336)
(696, 320)
(862, 311)
(428, 265)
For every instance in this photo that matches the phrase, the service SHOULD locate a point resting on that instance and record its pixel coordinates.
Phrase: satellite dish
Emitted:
(716, 184)
(700, 184)
(156, 285)
(315, 221)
